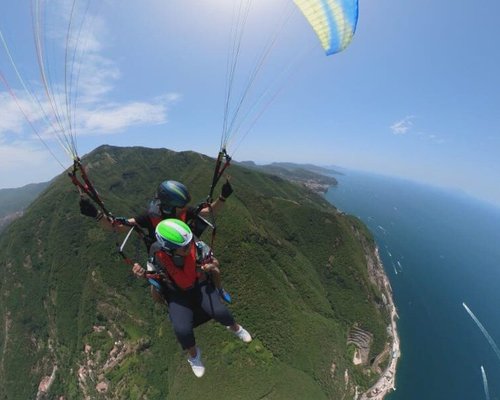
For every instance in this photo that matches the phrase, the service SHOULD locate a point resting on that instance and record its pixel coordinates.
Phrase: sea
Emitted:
(440, 249)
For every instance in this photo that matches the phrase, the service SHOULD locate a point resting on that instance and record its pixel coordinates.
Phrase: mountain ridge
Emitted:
(316, 178)
(13, 201)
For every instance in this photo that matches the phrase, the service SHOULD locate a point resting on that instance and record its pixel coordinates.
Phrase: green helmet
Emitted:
(172, 234)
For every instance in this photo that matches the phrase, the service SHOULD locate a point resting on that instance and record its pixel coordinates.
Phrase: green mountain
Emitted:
(74, 322)
(309, 167)
(315, 178)
(294, 166)
(14, 201)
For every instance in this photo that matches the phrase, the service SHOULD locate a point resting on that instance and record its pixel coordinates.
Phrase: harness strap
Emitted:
(218, 171)
(87, 187)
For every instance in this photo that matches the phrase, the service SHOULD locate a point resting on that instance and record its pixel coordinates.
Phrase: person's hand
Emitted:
(87, 208)
(122, 221)
(226, 190)
(207, 267)
(138, 270)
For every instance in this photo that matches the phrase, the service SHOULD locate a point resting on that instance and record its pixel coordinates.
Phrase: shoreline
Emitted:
(387, 381)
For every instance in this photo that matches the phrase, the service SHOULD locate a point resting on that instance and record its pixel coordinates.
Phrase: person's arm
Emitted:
(218, 203)
(204, 257)
(121, 225)
(118, 224)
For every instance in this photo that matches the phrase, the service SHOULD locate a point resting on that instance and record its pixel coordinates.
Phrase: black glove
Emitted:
(87, 208)
(227, 190)
(123, 221)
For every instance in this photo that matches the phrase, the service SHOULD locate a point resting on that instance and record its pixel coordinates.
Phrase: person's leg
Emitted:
(215, 276)
(219, 312)
(181, 316)
(211, 304)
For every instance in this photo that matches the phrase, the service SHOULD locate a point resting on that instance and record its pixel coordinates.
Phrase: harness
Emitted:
(198, 224)
(184, 277)
(155, 214)
(223, 161)
(165, 275)
(85, 186)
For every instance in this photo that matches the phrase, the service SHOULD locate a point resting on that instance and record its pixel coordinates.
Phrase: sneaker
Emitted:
(224, 295)
(196, 364)
(242, 334)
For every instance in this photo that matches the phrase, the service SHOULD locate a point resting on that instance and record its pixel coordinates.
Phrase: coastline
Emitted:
(387, 380)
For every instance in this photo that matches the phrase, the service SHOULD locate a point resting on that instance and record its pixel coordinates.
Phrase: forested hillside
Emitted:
(14, 201)
(74, 322)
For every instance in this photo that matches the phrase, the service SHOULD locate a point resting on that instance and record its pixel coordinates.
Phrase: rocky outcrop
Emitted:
(362, 340)
(45, 383)
(7, 220)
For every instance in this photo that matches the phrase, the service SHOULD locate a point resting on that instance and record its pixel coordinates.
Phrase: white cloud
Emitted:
(11, 155)
(22, 164)
(402, 126)
(92, 77)
(116, 117)
(436, 139)
(86, 25)
(406, 126)
(97, 78)
(11, 119)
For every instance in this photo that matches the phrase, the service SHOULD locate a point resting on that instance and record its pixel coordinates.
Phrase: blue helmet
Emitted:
(173, 194)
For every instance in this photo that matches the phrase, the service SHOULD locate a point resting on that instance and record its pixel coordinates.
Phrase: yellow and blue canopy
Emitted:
(334, 21)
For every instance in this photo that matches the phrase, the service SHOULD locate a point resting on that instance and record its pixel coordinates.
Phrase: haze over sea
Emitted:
(440, 249)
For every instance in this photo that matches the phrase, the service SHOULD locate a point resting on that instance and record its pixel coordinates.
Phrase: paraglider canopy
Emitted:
(334, 21)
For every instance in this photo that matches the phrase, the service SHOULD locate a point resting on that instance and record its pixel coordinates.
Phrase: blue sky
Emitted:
(415, 95)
